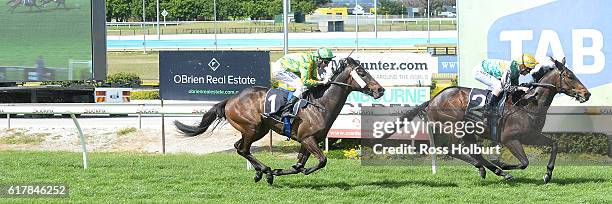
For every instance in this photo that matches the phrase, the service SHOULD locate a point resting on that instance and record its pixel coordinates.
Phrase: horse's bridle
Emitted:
(559, 88)
(362, 83)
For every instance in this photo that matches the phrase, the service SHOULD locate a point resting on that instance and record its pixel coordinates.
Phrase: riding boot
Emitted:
(288, 110)
(493, 122)
(493, 102)
(494, 117)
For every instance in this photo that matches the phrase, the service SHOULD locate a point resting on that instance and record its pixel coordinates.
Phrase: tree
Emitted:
(389, 7)
(434, 5)
(118, 10)
(260, 9)
(307, 6)
(126, 10)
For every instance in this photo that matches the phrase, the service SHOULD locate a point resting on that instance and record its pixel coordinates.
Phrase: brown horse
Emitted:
(520, 124)
(243, 112)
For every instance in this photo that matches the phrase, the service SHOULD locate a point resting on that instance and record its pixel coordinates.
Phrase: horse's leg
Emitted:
(516, 148)
(481, 170)
(243, 148)
(540, 139)
(297, 167)
(486, 163)
(310, 143)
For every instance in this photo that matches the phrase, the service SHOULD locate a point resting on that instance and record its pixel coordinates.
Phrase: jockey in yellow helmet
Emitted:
(496, 73)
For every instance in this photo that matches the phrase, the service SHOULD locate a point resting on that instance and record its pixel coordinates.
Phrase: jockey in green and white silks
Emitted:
(494, 73)
(299, 71)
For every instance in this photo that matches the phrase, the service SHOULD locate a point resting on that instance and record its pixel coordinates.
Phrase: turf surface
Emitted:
(222, 177)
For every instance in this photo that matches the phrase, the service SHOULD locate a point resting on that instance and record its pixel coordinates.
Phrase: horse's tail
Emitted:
(408, 116)
(217, 112)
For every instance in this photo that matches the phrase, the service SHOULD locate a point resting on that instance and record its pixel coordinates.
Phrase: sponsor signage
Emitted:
(348, 125)
(448, 64)
(542, 28)
(211, 75)
(395, 69)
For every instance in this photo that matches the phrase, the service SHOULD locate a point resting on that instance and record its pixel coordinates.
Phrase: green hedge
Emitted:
(69, 83)
(124, 79)
(145, 95)
(595, 143)
(121, 79)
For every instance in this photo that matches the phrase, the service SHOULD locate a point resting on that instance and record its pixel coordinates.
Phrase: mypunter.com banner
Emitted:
(396, 69)
(211, 75)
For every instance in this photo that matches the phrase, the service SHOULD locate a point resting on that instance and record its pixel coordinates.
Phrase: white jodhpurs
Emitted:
(289, 78)
(493, 84)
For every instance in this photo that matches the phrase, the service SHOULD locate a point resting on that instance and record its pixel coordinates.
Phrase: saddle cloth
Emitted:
(275, 101)
(476, 110)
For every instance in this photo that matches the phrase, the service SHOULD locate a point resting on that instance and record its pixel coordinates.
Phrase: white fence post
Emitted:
(83, 145)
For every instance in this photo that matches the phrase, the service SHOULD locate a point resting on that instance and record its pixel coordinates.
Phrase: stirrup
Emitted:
(290, 115)
(270, 117)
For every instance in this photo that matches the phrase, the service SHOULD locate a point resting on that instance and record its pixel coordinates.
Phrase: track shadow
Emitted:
(557, 181)
(34, 11)
(561, 181)
(347, 186)
(46, 10)
(260, 149)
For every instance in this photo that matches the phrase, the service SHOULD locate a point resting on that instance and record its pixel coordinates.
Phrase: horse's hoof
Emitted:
(482, 172)
(258, 176)
(307, 171)
(270, 178)
(276, 172)
(508, 177)
(547, 177)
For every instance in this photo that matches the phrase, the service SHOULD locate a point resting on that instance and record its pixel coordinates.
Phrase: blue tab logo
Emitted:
(578, 30)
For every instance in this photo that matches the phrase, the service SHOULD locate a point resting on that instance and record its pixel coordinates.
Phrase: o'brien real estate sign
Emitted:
(393, 69)
(211, 75)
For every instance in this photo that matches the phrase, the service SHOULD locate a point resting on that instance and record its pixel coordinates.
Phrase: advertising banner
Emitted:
(576, 30)
(396, 69)
(211, 75)
(448, 64)
(348, 124)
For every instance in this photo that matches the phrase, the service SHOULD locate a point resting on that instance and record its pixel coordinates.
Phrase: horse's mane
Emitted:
(319, 91)
(545, 67)
(548, 65)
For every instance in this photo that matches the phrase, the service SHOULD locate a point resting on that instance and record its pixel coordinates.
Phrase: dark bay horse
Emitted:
(520, 124)
(243, 112)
